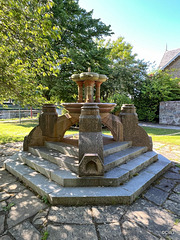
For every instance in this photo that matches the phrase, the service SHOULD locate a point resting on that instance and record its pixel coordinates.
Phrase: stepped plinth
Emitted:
(89, 168)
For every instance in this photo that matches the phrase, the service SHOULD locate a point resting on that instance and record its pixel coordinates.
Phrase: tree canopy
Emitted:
(25, 52)
(80, 32)
(158, 86)
(126, 72)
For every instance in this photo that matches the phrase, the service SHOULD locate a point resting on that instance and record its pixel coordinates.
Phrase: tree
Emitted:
(79, 43)
(158, 86)
(26, 33)
(126, 72)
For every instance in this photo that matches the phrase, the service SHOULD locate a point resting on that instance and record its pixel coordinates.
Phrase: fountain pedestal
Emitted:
(90, 142)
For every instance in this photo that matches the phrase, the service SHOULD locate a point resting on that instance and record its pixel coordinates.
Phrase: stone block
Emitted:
(115, 126)
(156, 195)
(91, 165)
(131, 130)
(69, 215)
(108, 214)
(26, 231)
(110, 231)
(90, 142)
(72, 232)
(26, 204)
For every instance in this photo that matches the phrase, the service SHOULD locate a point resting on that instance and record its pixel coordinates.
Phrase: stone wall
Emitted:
(169, 113)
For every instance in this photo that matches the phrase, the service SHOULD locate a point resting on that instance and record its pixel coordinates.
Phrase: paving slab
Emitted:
(177, 188)
(14, 187)
(4, 196)
(108, 214)
(132, 231)
(26, 204)
(25, 231)
(77, 215)
(175, 232)
(41, 217)
(151, 217)
(2, 218)
(5, 237)
(175, 197)
(166, 184)
(175, 169)
(6, 178)
(172, 175)
(2, 205)
(172, 206)
(110, 231)
(156, 195)
(72, 232)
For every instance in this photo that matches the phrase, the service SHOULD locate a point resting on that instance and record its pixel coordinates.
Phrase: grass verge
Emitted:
(166, 136)
(15, 132)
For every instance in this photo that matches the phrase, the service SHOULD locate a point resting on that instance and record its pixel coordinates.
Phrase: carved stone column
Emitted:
(89, 90)
(48, 122)
(90, 142)
(80, 91)
(98, 95)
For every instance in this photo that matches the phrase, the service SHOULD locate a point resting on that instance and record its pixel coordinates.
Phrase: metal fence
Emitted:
(18, 113)
(21, 113)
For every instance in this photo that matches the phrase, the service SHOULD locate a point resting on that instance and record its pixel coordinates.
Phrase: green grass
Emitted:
(167, 136)
(15, 132)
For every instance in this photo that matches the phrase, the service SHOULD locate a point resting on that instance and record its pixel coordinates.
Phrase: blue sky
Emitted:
(148, 25)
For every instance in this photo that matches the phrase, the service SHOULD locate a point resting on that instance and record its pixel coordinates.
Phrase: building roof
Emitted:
(169, 57)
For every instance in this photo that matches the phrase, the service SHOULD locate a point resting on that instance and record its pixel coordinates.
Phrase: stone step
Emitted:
(50, 170)
(71, 163)
(54, 156)
(71, 150)
(116, 159)
(64, 148)
(115, 147)
(56, 194)
(67, 178)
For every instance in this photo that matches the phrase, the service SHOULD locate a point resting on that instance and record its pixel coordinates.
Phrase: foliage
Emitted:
(125, 72)
(79, 43)
(156, 88)
(45, 199)
(8, 207)
(45, 235)
(119, 99)
(25, 52)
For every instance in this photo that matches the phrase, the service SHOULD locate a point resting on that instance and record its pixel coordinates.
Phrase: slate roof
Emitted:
(168, 57)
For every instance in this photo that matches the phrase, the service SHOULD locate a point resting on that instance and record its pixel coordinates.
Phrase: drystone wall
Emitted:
(169, 113)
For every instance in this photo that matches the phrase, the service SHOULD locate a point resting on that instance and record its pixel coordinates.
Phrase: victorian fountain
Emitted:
(88, 168)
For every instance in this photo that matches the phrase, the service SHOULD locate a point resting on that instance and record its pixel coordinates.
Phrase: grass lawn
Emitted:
(167, 136)
(14, 132)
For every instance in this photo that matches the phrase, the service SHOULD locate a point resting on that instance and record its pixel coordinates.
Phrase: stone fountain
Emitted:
(91, 168)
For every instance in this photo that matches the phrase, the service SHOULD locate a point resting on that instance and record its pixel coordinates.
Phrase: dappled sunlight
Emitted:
(140, 217)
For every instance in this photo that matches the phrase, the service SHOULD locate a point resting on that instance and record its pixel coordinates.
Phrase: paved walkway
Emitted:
(156, 125)
(24, 216)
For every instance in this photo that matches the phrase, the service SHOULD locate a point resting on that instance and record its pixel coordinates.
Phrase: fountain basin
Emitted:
(75, 108)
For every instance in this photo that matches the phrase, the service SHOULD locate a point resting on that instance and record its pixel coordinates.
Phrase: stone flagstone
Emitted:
(25, 231)
(72, 232)
(78, 215)
(26, 204)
